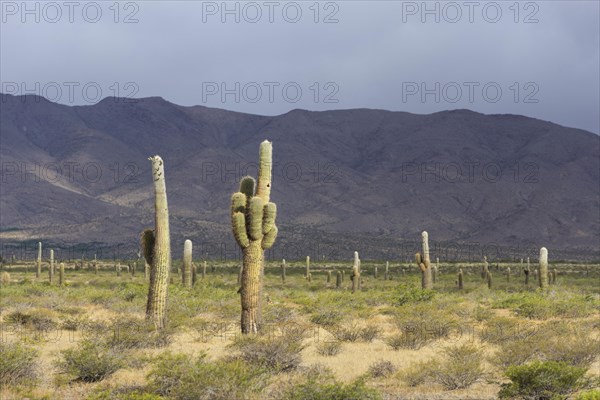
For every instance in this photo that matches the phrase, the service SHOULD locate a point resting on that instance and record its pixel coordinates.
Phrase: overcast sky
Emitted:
(539, 59)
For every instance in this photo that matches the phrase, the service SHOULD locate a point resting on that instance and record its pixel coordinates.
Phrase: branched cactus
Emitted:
(543, 268)
(38, 271)
(424, 263)
(156, 247)
(253, 223)
(460, 279)
(186, 275)
(61, 274)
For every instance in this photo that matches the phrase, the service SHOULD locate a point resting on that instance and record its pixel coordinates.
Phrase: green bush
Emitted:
(540, 380)
(91, 361)
(327, 317)
(461, 368)
(131, 333)
(329, 389)
(279, 354)
(18, 363)
(419, 373)
(593, 394)
(180, 377)
(413, 294)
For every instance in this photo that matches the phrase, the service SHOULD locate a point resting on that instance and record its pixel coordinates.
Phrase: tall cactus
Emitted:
(156, 246)
(355, 276)
(186, 275)
(424, 263)
(253, 223)
(38, 272)
(543, 273)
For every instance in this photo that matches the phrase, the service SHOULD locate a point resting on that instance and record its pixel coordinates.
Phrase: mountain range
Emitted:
(78, 177)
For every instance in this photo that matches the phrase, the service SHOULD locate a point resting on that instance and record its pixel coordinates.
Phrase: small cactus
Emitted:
(375, 272)
(118, 269)
(338, 279)
(283, 271)
(460, 279)
(543, 273)
(309, 277)
(186, 276)
(508, 274)
(424, 263)
(489, 279)
(95, 264)
(61, 274)
(328, 276)
(194, 274)
(355, 278)
(484, 268)
(554, 273)
(203, 269)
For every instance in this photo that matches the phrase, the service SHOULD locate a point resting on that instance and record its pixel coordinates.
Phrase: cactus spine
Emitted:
(38, 271)
(253, 223)
(543, 273)
(186, 275)
(156, 246)
(51, 268)
(61, 274)
(283, 271)
(460, 279)
(424, 263)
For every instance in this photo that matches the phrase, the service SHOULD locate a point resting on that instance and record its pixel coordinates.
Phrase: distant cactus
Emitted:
(118, 269)
(484, 268)
(535, 274)
(543, 268)
(51, 267)
(253, 223)
(489, 279)
(95, 265)
(386, 275)
(156, 246)
(307, 267)
(309, 277)
(133, 268)
(328, 276)
(186, 275)
(283, 271)
(434, 272)
(194, 274)
(424, 263)
(508, 274)
(61, 274)
(338, 279)
(5, 278)
(460, 279)
(375, 272)
(203, 269)
(38, 271)
(356, 284)
(554, 273)
(343, 276)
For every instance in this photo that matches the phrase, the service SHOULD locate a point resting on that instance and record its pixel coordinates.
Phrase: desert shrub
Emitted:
(369, 333)
(419, 373)
(327, 317)
(461, 368)
(381, 369)
(91, 361)
(413, 294)
(130, 333)
(40, 319)
(329, 348)
(329, 389)
(540, 380)
(18, 363)
(502, 329)
(593, 394)
(180, 377)
(5, 278)
(407, 340)
(277, 354)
